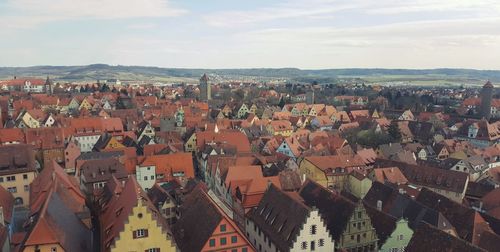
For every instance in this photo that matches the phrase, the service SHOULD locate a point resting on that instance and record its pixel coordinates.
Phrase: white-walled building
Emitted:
(284, 223)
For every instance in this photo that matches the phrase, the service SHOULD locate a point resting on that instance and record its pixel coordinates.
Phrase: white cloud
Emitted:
(323, 9)
(293, 9)
(29, 13)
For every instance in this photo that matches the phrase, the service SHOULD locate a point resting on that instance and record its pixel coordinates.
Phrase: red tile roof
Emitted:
(11, 135)
(233, 137)
(170, 164)
(117, 210)
(7, 202)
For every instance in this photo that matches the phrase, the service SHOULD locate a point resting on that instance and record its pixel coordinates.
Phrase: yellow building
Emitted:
(25, 120)
(280, 127)
(358, 184)
(190, 144)
(85, 105)
(18, 171)
(330, 171)
(130, 221)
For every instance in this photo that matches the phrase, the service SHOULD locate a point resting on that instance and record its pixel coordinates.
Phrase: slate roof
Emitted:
(402, 206)
(428, 238)
(280, 216)
(335, 209)
(192, 230)
(429, 176)
(383, 223)
(460, 216)
(56, 223)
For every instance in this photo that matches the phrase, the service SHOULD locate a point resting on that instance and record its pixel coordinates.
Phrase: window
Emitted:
(152, 250)
(234, 239)
(140, 233)
(303, 245)
(152, 177)
(359, 215)
(223, 241)
(53, 249)
(145, 178)
(12, 189)
(244, 250)
(400, 237)
(313, 229)
(223, 228)
(321, 242)
(25, 176)
(313, 245)
(352, 237)
(26, 188)
(1, 179)
(11, 178)
(211, 243)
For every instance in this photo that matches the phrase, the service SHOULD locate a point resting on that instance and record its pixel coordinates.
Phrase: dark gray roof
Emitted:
(76, 235)
(199, 219)
(280, 217)
(335, 209)
(100, 155)
(428, 238)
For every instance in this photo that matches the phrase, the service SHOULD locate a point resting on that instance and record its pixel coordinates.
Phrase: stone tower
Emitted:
(205, 89)
(48, 86)
(310, 96)
(486, 97)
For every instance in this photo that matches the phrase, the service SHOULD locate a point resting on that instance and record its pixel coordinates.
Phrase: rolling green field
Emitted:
(424, 77)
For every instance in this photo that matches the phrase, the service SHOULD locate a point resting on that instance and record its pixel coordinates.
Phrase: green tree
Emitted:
(394, 132)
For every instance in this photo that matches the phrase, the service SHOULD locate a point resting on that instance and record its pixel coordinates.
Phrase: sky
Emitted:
(307, 34)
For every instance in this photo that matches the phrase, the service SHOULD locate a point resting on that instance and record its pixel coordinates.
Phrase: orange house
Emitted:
(211, 231)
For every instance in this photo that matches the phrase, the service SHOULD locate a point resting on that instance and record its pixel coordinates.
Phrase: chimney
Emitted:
(303, 178)
(379, 205)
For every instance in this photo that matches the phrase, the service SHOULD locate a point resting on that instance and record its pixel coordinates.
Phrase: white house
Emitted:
(145, 175)
(283, 223)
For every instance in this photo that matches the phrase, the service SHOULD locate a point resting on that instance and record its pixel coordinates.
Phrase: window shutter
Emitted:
(134, 234)
(145, 233)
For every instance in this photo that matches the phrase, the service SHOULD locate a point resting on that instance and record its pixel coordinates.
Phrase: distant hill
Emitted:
(103, 71)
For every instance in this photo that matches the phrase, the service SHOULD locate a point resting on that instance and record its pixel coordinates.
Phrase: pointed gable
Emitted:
(333, 207)
(280, 216)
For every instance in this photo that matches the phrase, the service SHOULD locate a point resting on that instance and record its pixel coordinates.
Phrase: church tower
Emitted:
(205, 89)
(48, 86)
(179, 117)
(486, 97)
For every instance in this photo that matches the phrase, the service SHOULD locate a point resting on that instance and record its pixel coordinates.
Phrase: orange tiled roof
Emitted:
(169, 164)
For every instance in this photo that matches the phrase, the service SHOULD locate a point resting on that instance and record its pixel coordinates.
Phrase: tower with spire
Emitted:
(205, 89)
